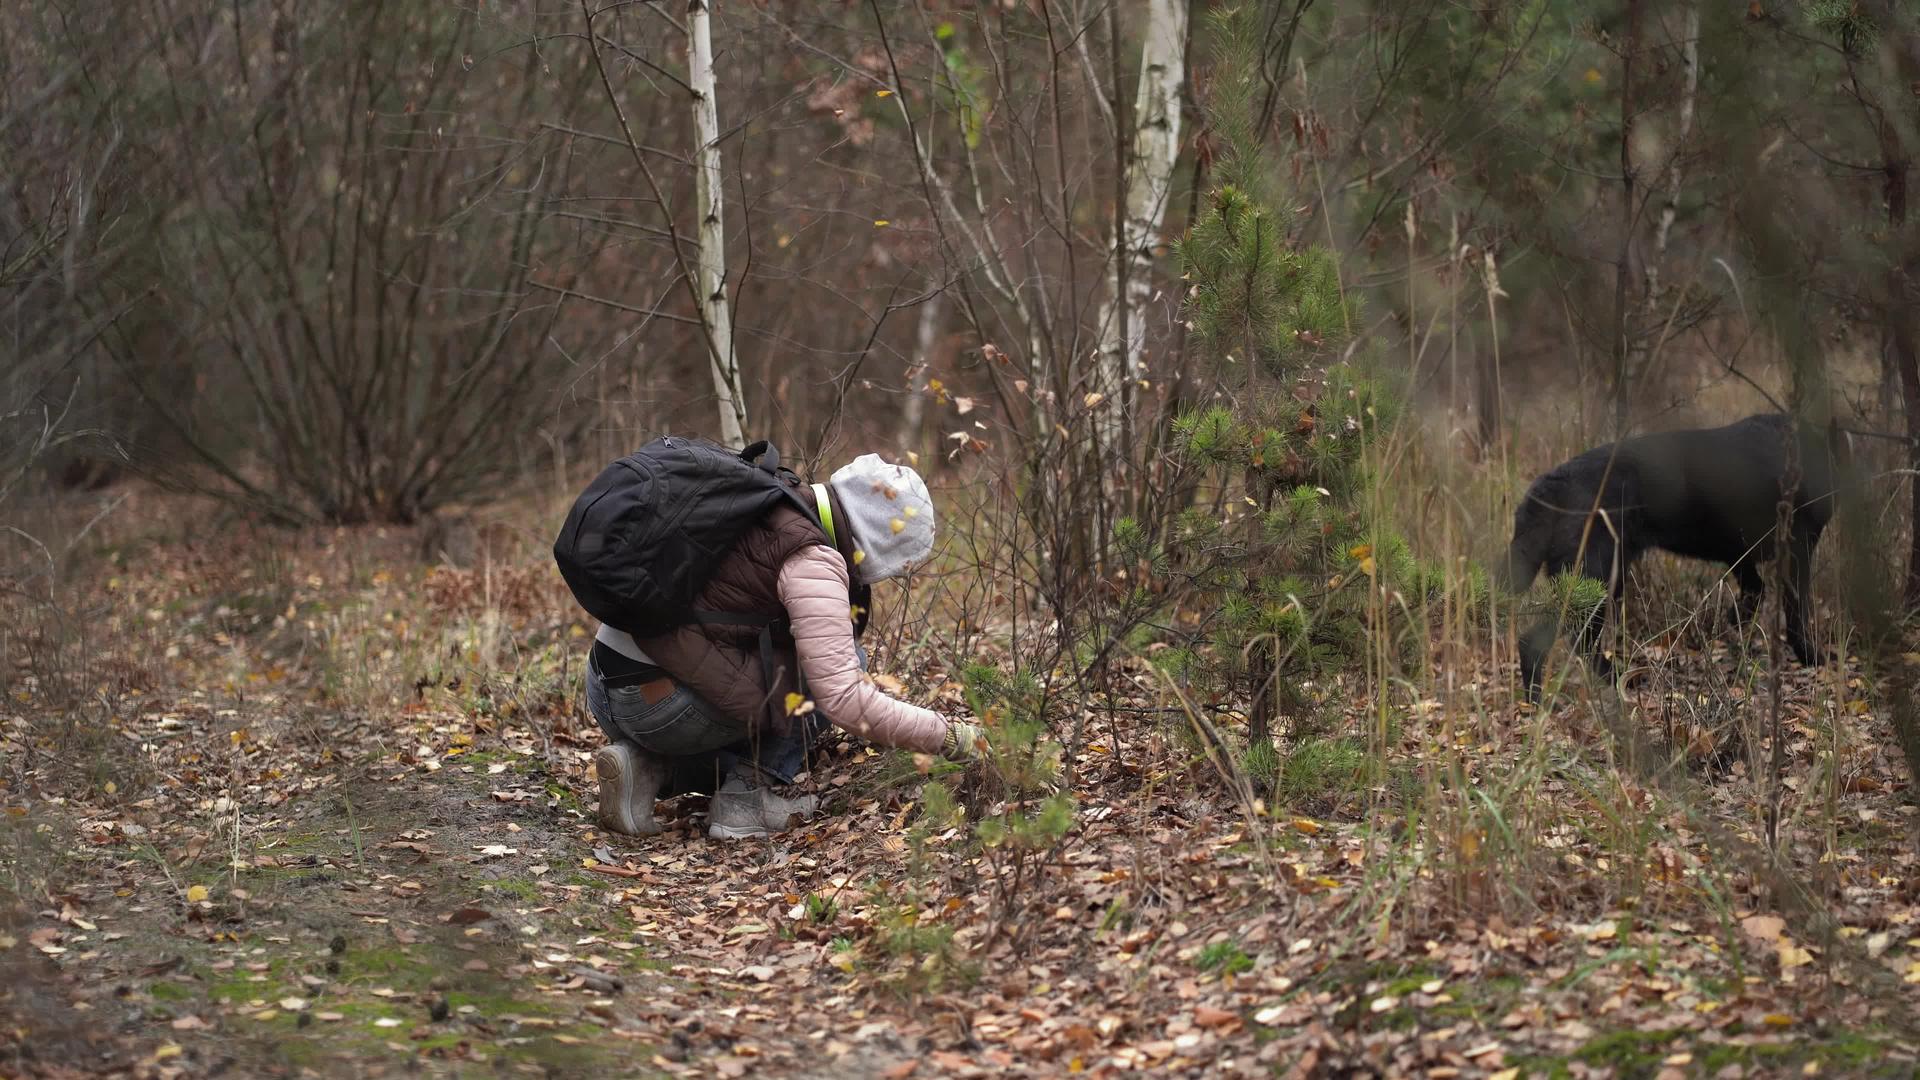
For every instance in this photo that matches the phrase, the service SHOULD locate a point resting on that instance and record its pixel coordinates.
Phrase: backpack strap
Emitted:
(766, 624)
(763, 453)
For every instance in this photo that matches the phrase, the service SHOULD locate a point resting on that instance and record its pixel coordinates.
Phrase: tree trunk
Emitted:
(1689, 91)
(1903, 341)
(1149, 182)
(913, 412)
(1623, 265)
(1903, 261)
(711, 268)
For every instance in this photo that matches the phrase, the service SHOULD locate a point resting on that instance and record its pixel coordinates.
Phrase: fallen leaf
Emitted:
(1207, 1016)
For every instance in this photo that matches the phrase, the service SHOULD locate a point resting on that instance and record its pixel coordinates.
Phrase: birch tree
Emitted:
(711, 267)
(1149, 180)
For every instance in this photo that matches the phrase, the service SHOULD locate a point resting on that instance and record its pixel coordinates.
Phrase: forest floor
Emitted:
(234, 848)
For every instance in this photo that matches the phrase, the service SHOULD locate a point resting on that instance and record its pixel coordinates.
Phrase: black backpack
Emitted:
(644, 538)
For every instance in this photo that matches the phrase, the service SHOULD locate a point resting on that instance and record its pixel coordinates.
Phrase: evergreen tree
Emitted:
(1294, 570)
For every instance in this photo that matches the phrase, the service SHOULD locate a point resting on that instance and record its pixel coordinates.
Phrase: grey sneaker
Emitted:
(740, 811)
(630, 779)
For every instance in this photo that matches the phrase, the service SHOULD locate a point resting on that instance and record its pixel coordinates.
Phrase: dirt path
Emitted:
(437, 912)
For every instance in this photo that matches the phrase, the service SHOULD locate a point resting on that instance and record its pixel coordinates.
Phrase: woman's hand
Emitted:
(963, 741)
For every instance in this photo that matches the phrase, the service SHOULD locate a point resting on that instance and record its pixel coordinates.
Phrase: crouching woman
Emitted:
(705, 706)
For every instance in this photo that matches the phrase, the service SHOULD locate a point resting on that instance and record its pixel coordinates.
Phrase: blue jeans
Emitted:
(700, 743)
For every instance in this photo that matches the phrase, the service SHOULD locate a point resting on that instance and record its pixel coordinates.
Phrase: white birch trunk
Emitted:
(711, 268)
(913, 413)
(1156, 147)
(1690, 87)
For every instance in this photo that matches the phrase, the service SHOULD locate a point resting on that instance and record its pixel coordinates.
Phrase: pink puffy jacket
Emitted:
(815, 591)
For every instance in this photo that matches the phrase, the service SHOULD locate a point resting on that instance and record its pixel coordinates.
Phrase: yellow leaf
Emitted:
(881, 223)
(1306, 825)
(794, 701)
(859, 556)
(1361, 551)
(1778, 1020)
(1592, 76)
(897, 525)
(911, 511)
(1093, 399)
(196, 893)
(1366, 566)
(112, 787)
(883, 93)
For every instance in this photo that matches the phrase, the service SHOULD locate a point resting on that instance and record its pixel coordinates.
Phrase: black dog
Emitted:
(1706, 494)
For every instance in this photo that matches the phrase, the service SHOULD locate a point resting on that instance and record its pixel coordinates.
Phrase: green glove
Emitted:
(963, 741)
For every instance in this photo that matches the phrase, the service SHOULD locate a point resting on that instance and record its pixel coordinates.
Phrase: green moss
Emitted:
(385, 960)
(525, 889)
(1534, 1067)
(495, 1004)
(1224, 957)
(564, 797)
(1410, 982)
(1640, 1054)
(1628, 1051)
(169, 991)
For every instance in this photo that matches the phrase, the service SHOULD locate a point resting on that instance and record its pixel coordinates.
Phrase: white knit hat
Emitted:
(890, 513)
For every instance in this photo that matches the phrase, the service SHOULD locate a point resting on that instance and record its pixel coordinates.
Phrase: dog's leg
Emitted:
(1753, 588)
(1536, 641)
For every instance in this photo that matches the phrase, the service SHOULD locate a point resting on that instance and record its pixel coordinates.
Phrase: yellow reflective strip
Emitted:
(826, 512)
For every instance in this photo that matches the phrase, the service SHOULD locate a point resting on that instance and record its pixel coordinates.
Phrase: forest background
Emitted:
(1227, 337)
